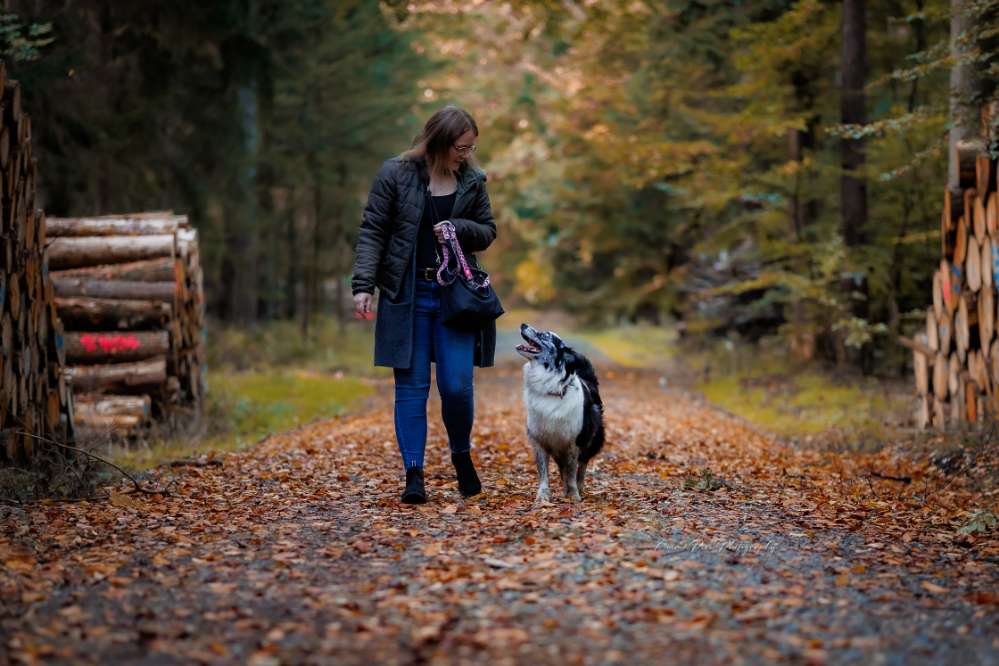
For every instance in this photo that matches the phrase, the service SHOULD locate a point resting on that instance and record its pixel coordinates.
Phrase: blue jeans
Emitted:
(453, 352)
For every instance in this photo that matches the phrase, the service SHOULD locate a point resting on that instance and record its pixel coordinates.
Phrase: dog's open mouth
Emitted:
(528, 348)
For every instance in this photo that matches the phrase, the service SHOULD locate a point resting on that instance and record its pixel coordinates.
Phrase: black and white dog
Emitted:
(565, 416)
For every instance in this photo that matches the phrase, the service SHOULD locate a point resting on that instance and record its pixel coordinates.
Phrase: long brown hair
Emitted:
(438, 136)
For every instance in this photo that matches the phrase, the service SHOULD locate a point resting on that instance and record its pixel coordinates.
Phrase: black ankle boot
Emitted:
(414, 493)
(468, 480)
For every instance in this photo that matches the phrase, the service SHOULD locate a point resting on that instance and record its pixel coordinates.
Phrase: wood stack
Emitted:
(129, 291)
(34, 397)
(956, 360)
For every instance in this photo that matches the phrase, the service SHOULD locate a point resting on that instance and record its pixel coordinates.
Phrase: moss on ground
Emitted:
(641, 346)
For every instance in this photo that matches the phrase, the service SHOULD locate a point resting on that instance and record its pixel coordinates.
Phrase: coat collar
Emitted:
(467, 176)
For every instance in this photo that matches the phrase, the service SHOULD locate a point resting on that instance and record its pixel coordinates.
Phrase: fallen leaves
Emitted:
(739, 545)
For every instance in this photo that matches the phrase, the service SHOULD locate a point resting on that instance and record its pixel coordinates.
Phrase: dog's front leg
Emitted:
(541, 460)
(569, 476)
(581, 476)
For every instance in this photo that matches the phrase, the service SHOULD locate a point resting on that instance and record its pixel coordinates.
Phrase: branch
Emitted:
(916, 346)
(900, 479)
(138, 486)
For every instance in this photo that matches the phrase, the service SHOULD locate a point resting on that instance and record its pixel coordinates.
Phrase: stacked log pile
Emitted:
(34, 398)
(129, 291)
(956, 360)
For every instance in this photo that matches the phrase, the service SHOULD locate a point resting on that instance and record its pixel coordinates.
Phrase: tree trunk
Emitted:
(292, 278)
(853, 186)
(241, 224)
(962, 87)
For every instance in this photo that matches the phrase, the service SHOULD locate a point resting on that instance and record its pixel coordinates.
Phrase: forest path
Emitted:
(698, 540)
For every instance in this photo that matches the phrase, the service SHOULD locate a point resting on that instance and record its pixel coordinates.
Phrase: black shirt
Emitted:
(426, 242)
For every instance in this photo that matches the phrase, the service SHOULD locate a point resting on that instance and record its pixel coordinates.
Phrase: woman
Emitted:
(397, 250)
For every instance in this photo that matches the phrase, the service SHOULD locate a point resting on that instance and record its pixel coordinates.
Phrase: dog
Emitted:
(565, 415)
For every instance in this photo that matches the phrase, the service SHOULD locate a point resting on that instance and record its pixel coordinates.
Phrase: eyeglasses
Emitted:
(465, 149)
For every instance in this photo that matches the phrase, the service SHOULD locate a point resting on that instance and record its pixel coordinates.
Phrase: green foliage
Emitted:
(642, 151)
(648, 160)
(264, 120)
(20, 42)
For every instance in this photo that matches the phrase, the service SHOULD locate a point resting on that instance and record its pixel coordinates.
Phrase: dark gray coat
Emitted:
(385, 257)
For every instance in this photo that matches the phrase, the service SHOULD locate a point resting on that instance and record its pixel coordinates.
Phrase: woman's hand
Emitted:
(362, 305)
(439, 230)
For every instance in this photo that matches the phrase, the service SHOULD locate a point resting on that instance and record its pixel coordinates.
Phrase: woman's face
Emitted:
(461, 149)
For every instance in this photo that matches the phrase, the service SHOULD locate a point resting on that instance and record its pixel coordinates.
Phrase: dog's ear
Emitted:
(571, 359)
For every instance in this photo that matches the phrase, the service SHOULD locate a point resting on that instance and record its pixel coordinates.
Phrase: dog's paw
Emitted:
(542, 498)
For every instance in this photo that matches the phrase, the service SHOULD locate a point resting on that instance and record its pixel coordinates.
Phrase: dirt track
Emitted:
(700, 541)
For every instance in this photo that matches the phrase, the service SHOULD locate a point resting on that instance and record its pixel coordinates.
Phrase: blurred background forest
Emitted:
(739, 168)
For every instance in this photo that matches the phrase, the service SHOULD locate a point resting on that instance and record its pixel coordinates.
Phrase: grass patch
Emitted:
(799, 400)
(269, 377)
(639, 346)
(330, 346)
(242, 407)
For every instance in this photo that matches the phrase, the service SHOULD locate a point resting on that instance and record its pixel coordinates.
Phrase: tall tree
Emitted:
(853, 186)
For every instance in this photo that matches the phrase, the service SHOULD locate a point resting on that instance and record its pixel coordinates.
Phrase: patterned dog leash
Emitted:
(451, 239)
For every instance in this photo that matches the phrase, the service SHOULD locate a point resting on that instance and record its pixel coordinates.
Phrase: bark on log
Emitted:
(119, 424)
(113, 405)
(965, 155)
(148, 270)
(97, 250)
(119, 376)
(32, 396)
(115, 346)
(108, 313)
(71, 287)
(953, 208)
(984, 175)
(917, 345)
(114, 226)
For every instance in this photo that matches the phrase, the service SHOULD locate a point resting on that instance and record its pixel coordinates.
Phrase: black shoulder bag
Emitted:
(468, 300)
